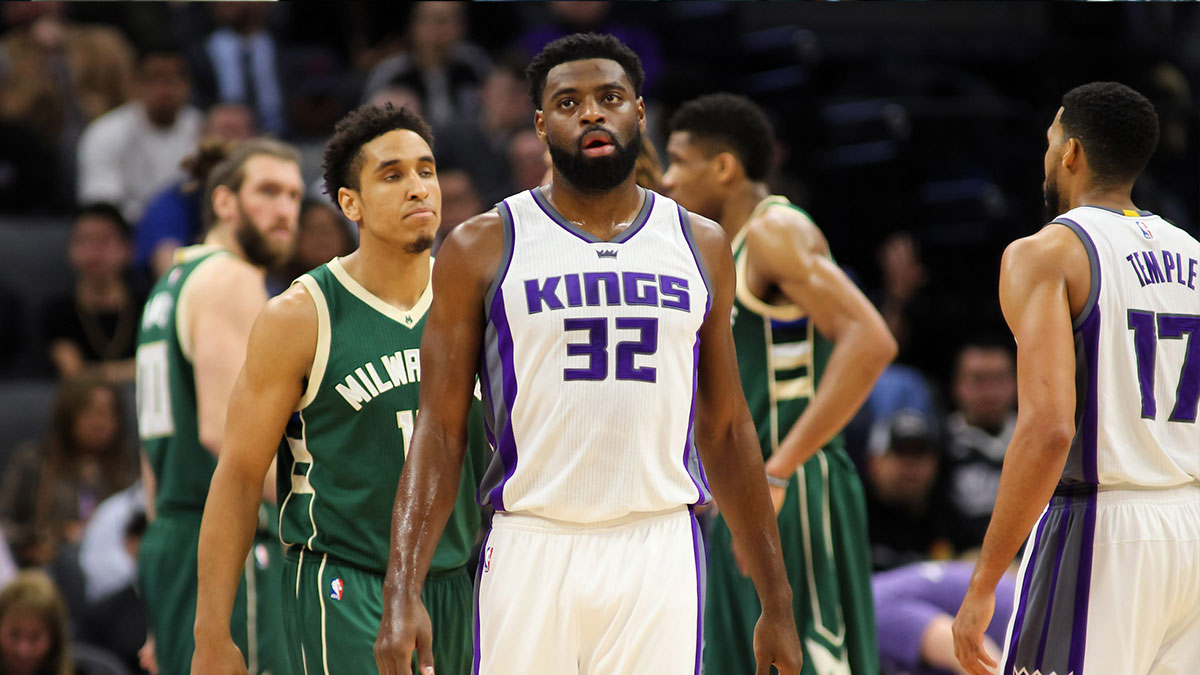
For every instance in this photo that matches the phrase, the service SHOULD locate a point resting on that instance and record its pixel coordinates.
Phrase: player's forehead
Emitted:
(260, 168)
(1055, 125)
(397, 145)
(585, 75)
(682, 143)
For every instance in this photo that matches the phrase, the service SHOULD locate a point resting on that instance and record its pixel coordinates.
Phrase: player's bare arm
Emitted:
(279, 358)
(218, 307)
(787, 252)
(1044, 282)
(450, 351)
(728, 446)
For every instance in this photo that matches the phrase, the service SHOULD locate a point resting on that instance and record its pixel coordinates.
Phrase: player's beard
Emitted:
(256, 246)
(1053, 200)
(597, 174)
(419, 244)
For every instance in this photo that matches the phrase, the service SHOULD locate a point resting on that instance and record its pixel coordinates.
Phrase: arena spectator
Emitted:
(34, 638)
(240, 62)
(914, 606)
(51, 488)
(985, 393)
(172, 218)
(904, 510)
(63, 75)
(97, 323)
(30, 168)
(108, 563)
(526, 159)
(437, 62)
(130, 153)
(480, 144)
(460, 201)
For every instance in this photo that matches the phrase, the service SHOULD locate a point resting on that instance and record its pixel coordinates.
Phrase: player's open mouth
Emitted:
(597, 144)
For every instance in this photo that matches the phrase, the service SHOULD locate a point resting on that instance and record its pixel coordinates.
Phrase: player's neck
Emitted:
(1118, 198)
(740, 204)
(389, 272)
(602, 214)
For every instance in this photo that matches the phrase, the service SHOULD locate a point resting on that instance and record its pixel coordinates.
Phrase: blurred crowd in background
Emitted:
(913, 133)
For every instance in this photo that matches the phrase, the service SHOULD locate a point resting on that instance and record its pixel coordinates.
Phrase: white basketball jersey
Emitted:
(589, 365)
(1137, 346)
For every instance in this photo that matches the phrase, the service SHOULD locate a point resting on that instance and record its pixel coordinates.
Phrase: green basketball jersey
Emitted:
(781, 356)
(166, 392)
(348, 443)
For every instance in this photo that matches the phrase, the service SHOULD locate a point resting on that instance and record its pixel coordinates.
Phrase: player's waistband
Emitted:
(296, 554)
(1104, 495)
(507, 520)
(1188, 493)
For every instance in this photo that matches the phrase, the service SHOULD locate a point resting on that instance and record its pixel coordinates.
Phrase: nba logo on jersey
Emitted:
(1145, 230)
(335, 589)
(487, 561)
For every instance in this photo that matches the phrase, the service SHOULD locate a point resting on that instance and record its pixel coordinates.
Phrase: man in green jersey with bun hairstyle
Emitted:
(191, 343)
(810, 347)
(341, 347)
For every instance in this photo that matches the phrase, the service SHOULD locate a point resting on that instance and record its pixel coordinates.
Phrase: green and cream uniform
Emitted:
(183, 468)
(347, 449)
(822, 525)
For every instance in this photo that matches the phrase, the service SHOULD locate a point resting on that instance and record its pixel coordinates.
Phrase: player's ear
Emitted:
(1072, 152)
(641, 113)
(725, 166)
(539, 124)
(349, 201)
(224, 203)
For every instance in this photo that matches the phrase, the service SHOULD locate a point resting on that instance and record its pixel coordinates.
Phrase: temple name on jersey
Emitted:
(628, 288)
(1173, 268)
(365, 383)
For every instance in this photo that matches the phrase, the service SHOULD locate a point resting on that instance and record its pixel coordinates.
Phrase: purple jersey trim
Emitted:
(685, 224)
(1089, 307)
(1058, 558)
(552, 213)
(691, 460)
(506, 450)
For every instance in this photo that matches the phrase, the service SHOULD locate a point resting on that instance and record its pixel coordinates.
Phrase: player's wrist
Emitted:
(776, 481)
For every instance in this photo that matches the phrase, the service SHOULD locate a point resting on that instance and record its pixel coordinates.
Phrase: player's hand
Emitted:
(973, 618)
(217, 657)
(776, 643)
(405, 628)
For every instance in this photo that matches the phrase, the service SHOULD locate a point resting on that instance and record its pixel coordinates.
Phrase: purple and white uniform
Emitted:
(589, 372)
(1110, 581)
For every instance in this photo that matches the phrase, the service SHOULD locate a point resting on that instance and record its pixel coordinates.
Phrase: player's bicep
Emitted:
(830, 298)
(453, 339)
(719, 398)
(1034, 299)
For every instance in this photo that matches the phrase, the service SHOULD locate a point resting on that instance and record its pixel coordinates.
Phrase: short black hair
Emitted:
(343, 156)
(107, 212)
(731, 122)
(1117, 127)
(580, 47)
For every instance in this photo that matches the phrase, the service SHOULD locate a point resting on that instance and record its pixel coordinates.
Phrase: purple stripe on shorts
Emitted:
(507, 446)
(1023, 602)
(478, 585)
(1058, 557)
(1083, 586)
(701, 571)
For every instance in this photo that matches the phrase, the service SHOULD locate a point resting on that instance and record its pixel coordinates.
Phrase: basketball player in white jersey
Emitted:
(597, 315)
(1104, 305)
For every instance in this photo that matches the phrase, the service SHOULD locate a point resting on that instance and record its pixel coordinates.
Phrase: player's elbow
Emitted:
(1053, 434)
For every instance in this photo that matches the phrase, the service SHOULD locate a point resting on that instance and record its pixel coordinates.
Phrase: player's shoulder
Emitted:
(782, 227)
(1053, 250)
(226, 272)
(706, 231)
